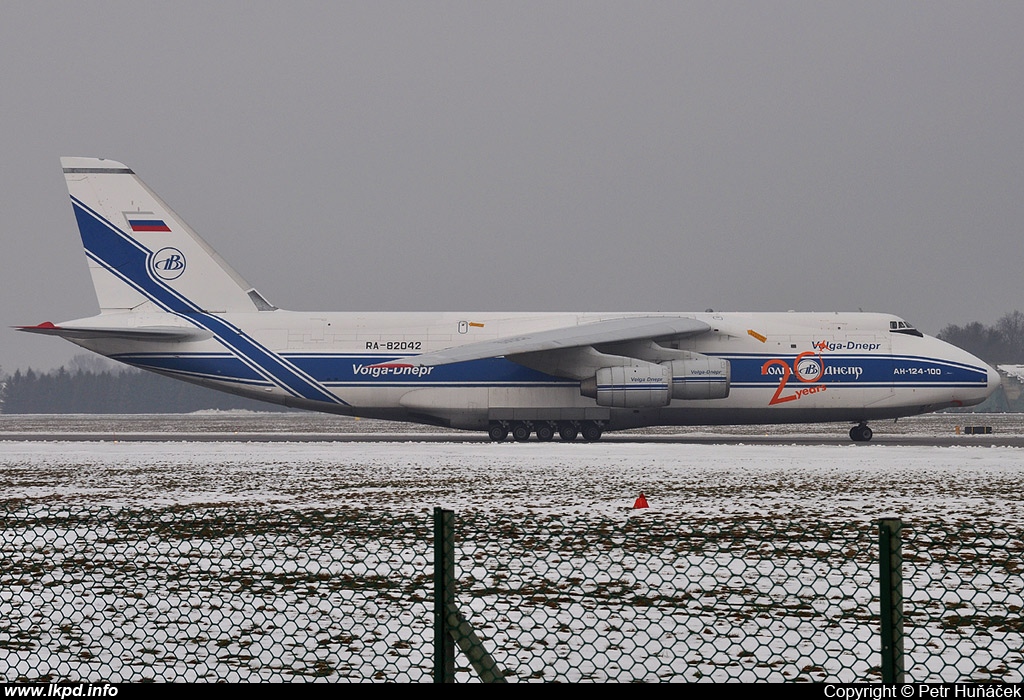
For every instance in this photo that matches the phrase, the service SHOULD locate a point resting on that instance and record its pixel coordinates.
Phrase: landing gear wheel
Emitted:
(545, 432)
(567, 432)
(520, 432)
(497, 432)
(861, 433)
(591, 432)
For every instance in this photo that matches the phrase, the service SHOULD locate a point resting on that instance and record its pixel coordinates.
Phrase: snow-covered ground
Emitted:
(833, 481)
(928, 487)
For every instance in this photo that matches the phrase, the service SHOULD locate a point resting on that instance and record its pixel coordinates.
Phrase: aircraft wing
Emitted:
(156, 333)
(616, 330)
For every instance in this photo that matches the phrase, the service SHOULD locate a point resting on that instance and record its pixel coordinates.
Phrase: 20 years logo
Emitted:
(807, 367)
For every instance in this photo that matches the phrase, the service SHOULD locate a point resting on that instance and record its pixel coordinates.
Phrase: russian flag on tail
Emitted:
(147, 224)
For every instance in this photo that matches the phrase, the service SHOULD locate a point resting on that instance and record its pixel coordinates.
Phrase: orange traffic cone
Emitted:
(641, 502)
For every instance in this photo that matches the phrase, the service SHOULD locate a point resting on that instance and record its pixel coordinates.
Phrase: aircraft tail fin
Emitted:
(141, 254)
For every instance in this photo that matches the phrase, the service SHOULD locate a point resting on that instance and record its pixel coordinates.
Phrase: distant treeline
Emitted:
(1001, 344)
(93, 386)
(132, 391)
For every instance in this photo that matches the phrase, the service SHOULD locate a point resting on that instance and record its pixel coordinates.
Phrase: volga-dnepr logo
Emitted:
(824, 345)
(167, 263)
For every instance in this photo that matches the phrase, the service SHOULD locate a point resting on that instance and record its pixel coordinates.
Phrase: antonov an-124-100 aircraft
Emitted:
(170, 304)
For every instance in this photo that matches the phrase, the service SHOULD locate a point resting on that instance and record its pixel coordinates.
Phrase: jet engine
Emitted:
(650, 385)
(700, 378)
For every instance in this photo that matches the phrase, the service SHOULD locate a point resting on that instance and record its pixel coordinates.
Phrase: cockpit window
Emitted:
(904, 328)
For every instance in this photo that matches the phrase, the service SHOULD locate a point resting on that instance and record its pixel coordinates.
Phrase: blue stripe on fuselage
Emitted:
(860, 370)
(345, 370)
(340, 369)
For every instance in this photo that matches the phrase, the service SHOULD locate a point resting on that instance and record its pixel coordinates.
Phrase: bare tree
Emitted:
(1011, 328)
(1001, 343)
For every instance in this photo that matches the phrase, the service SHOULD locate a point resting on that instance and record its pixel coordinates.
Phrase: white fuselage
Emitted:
(785, 367)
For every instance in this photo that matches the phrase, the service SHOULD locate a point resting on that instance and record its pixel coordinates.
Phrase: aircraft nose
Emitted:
(993, 379)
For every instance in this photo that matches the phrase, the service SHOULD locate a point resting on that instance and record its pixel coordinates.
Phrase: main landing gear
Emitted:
(545, 430)
(860, 433)
(498, 431)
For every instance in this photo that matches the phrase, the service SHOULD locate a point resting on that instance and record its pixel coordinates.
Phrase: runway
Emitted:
(943, 429)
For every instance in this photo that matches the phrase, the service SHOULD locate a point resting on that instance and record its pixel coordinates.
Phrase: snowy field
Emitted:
(931, 488)
(841, 480)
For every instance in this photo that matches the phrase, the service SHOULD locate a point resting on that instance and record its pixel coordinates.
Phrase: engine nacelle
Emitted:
(700, 378)
(632, 386)
(649, 385)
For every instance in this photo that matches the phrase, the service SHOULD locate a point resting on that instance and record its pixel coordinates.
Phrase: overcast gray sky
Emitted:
(584, 156)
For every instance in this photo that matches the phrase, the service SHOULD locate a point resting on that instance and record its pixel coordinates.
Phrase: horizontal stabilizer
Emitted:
(168, 334)
(614, 330)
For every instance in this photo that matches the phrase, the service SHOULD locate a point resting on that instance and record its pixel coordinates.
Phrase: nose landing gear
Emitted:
(861, 433)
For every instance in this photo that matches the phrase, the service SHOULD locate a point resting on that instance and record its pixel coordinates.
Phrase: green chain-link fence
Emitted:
(236, 594)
